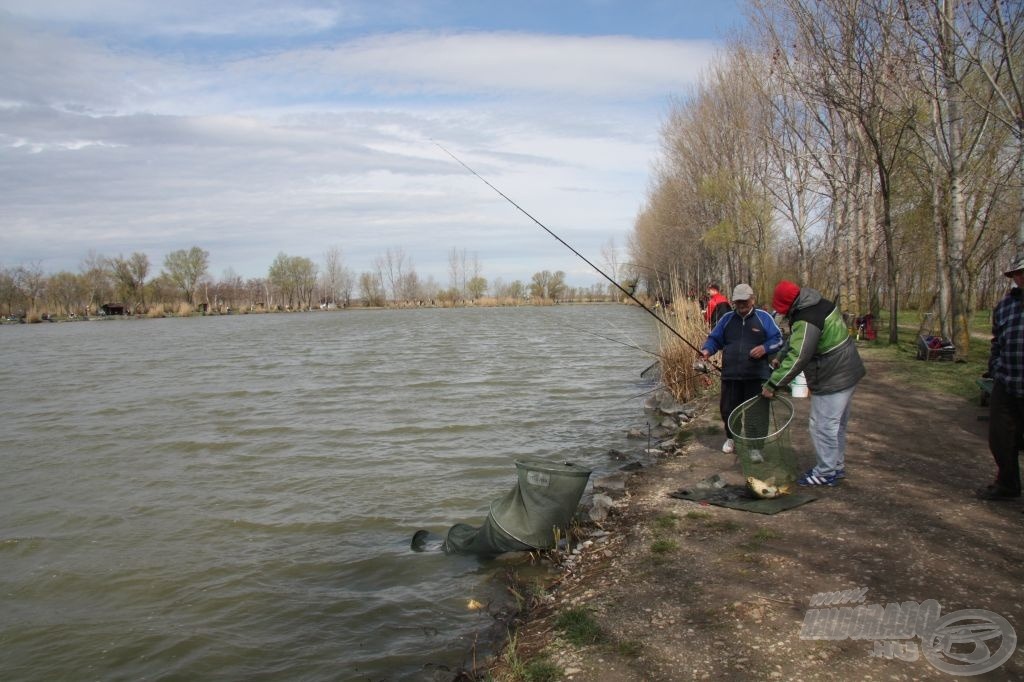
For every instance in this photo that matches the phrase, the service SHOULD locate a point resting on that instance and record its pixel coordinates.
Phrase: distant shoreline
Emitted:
(45, 319)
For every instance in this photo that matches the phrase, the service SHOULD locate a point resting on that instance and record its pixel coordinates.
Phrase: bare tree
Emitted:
(956, 149)
(997, 53)
(391, 268)
(371, 289)
(610, 259)
(855, 58)
(31, 283)
(97, 280)
(794, 145)
(67, 291)
(257, 290)
(409, 286)
(337, 279)
(708, 216)
(130, 274)
(547, 285)
(476, 287)
(231, 289)
(294, 277)
(457, 271)
(185, 269)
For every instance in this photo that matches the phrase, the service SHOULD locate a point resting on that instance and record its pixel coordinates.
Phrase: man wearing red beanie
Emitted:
(820, 346)
(785, 294)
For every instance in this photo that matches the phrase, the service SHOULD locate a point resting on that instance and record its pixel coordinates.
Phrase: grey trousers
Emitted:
(829, 415)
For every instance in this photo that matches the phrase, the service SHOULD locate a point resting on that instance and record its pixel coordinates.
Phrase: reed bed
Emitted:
(678, 374)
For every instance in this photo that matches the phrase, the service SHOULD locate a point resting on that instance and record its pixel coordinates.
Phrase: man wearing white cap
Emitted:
(747, 337)
(1006, 406)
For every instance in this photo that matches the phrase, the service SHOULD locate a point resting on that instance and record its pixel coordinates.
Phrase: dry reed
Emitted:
(678, 374)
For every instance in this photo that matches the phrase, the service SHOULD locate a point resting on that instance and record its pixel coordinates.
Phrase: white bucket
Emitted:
(798, 387)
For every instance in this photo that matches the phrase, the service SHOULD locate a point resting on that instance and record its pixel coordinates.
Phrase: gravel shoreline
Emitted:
(679, 590)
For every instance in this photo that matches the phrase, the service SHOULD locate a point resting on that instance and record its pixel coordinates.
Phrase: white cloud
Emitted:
(490, 63)
(300, 149)
(42, 67)
(188, 17)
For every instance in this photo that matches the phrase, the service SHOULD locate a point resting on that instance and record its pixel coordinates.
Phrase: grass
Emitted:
(630, 649)
(541, 669)
(698, 515)
(666, 521)
(952, 378)
(725, 525)
(537, 669)
(683, 437)
(663, 546)
(514, 665)
(762, 535)
(579, 627)
(525, 592)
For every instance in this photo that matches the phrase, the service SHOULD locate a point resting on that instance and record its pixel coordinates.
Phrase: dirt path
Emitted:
(730, 601)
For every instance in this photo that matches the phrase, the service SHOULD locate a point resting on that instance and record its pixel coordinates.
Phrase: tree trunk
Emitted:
(941, 273)
(961, 336)
(892, 276)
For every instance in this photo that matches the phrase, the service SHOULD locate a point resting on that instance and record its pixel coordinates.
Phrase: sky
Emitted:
(255, 128)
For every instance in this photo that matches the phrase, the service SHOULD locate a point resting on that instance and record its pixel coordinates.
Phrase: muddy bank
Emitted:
(680, 590)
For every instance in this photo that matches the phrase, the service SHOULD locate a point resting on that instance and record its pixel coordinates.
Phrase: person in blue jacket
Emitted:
(748, 338)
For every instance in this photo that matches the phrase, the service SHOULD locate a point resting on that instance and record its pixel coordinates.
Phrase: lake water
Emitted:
(233, 497)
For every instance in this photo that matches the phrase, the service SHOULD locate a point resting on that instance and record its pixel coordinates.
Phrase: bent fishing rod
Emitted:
(568, 246)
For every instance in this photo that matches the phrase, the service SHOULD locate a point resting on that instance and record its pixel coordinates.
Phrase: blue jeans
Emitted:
(829, 414)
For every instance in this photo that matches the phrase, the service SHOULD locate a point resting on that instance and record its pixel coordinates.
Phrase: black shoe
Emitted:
(994, 494)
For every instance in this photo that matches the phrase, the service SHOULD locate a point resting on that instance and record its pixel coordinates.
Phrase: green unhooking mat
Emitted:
(740, 497)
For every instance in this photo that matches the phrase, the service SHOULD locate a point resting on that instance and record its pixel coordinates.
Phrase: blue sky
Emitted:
(255, 128)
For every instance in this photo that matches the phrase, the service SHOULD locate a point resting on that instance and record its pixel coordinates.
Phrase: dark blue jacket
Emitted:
(735, 336)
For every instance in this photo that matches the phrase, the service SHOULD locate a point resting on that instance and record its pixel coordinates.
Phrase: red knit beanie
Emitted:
(785, 293)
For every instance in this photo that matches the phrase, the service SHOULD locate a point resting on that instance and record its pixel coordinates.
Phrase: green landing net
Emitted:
(760, 430)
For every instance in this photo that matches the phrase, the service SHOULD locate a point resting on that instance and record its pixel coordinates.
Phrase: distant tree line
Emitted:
(873, 149)
(184, 285)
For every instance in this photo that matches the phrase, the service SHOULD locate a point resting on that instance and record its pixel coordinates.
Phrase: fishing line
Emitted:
(614, 340)
(568, 246)
(630, 340)
(641, 395)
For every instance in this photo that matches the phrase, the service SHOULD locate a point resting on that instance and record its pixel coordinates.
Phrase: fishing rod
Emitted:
(568, 246)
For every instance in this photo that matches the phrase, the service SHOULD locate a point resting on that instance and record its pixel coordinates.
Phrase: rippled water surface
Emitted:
(233, 497)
